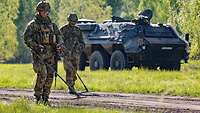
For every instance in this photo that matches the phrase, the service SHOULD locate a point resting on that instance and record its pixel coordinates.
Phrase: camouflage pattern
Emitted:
(70, 66)
(73, 42)
(42, 32)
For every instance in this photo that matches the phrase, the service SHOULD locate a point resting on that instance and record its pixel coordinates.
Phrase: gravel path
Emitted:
(123, 101)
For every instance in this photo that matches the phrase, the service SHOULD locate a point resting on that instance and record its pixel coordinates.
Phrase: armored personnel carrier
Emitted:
(122, 44)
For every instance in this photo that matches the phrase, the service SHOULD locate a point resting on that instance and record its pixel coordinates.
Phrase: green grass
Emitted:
(24, 106)
(183, 83)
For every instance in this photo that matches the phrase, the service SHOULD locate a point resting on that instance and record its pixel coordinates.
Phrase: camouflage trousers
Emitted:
(44, 76)
(71, 66)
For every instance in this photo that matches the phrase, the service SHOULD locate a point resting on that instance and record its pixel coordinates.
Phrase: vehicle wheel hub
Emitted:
(117, 63)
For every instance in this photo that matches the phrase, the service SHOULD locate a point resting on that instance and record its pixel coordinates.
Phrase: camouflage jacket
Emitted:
(43, 32)
(73, 39)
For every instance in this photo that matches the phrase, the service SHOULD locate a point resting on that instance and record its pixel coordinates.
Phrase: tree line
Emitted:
(184, 15)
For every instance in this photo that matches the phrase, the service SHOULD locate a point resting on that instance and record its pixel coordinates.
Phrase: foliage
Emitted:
(8, 41)
(188, 20)
(15, 14)
(55, 5)
(90, 9)
(26, 13)
(116, 6)
(183, 83)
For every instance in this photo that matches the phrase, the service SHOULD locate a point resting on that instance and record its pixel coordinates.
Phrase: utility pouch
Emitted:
(47, 35)
(52, 38)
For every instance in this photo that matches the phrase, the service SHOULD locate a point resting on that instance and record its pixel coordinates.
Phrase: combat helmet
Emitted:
(72, 17)
(43, 6)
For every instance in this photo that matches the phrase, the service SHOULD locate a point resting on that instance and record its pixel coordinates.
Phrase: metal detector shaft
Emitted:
(82, 82)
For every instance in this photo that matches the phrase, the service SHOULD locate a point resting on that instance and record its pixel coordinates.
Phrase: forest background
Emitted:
(183, 15)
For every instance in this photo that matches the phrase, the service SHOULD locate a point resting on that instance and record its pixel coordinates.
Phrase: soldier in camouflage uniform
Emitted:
(43, 36)
(73, 42)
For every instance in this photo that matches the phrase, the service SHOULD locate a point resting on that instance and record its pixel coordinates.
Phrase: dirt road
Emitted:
(130, 102)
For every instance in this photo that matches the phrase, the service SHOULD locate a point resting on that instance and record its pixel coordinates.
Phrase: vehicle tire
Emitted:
(176, 67)
(96, 61)
(166, 67)
(152, 67)
(171, 67)
(129, 68)
(82, 62)
(117, 61)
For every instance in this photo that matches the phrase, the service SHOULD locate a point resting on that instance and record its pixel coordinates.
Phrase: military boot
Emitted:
(38, 99)
(71, 90)
(45, 100)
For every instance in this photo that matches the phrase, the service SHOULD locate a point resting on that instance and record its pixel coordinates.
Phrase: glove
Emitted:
(60, 48)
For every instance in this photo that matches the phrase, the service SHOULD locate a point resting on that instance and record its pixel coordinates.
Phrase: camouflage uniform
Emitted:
(42, 32)
(73, 42)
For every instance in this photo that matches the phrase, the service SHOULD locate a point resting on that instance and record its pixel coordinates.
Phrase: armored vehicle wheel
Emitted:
(129, 68)
(82, 62)
(176, 67)
(96, 61)
(150, 67)
(117, 61)
(171, 67)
